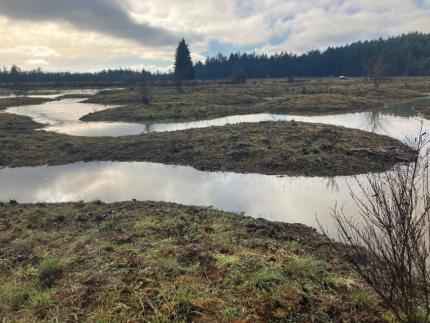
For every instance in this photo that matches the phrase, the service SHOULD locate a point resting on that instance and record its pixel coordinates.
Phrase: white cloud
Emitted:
(323, 25)
(35, 51)
(297, 26)
(36, 62)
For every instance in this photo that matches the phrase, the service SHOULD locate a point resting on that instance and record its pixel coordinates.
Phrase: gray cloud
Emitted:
(103, 16)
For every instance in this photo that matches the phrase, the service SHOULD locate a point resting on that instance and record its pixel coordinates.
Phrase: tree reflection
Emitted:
(148, 128)
(332, 184)
(373, 121)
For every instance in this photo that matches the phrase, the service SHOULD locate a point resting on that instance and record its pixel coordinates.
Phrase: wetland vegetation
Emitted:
(288, 182)
(159, 261)
(279, 148)
(209, 100)
(162, 262)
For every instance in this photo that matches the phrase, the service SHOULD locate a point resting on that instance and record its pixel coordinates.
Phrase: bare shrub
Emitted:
(21, 89)
(388, 241)
(238, 76)
(145, 87)
(376, 70)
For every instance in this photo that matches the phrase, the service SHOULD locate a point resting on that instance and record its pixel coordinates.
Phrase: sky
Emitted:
(90, 35)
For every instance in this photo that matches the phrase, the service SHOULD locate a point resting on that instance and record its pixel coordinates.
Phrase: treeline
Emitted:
(15, 75)
(408, 54)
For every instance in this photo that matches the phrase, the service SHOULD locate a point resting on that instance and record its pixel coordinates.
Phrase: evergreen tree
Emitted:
(184, 69)
(407, 54)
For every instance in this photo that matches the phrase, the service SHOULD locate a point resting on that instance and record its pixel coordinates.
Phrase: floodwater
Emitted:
(288, 199)
(278, 198)
(63, 117)
(53, 94)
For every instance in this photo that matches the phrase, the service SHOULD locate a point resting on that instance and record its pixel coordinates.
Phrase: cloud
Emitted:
(323, 23)
(94, 34)
(104, 16)
(37, 62)
(34, 51)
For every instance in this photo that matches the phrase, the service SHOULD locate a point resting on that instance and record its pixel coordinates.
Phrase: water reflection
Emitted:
(383, 123)
(374, 121)
(59, 113)
(63, 117)
(332, 184)
(98, 129)
(55, 94)
(47, 96)
(118, 129)
(288, 199)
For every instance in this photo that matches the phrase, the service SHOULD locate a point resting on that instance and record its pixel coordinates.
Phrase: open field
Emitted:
(208, 100)
(279, 148)
(160, 262)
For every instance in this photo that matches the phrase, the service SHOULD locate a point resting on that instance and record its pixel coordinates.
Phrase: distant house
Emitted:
(343, 77)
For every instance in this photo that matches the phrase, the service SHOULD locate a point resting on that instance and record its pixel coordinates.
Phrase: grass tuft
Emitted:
(265, 279)
(50, 271)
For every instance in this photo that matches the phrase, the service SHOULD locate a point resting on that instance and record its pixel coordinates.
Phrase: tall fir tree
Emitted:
(184, 69)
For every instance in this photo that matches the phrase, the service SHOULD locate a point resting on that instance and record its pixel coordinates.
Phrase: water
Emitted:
(60, 113)
(63, 117)
(287, 199)
(48, 96)
(55, 94)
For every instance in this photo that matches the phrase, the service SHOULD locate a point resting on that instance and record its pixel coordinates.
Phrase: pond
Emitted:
(278, 198)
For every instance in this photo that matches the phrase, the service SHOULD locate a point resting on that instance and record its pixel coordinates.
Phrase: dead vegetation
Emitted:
(388, 240)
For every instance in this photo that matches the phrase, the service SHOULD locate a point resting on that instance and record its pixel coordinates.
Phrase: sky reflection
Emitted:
(288, 199)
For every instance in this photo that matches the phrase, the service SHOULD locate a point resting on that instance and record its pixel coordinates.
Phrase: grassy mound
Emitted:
(162, 262)
(290, 148)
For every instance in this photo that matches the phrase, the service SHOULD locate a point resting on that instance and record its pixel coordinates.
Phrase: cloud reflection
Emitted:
(288, 199)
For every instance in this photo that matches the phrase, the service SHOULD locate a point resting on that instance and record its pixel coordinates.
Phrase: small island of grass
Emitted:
(273, 148)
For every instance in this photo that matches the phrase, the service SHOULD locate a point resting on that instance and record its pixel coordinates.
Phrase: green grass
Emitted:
(50, 270)
(265, 279)
(162, 262)
(13, 298)
(306, 266)
(364, 299)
